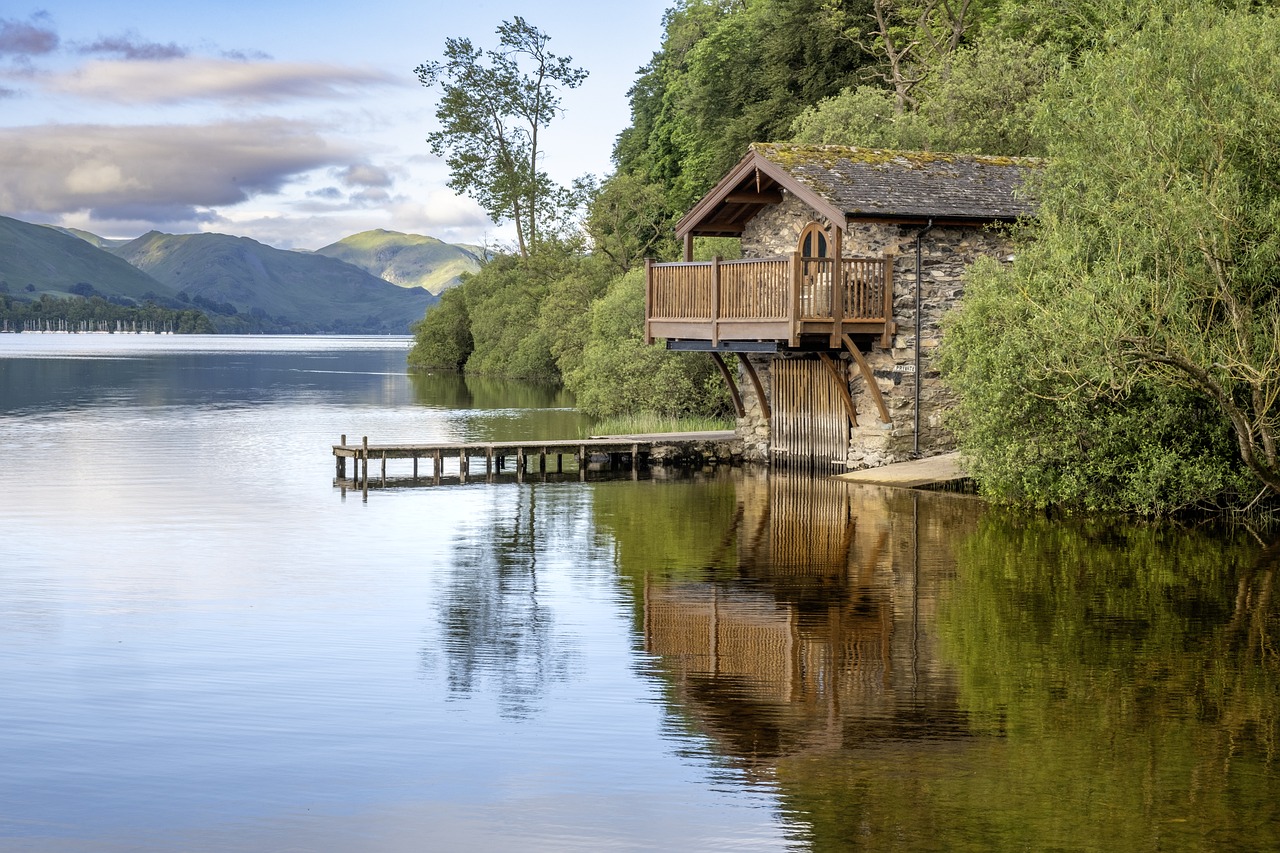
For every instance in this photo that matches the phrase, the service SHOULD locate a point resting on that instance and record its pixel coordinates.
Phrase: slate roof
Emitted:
(866, 183)
(870, 182)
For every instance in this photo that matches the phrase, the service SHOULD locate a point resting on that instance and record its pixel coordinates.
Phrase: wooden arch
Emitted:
(814, 242)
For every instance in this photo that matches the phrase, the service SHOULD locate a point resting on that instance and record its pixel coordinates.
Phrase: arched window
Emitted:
(813, 241)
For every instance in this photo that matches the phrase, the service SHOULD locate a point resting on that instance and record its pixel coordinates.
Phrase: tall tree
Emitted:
(494, 105)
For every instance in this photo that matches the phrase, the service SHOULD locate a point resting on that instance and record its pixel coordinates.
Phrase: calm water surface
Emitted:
(207, 645)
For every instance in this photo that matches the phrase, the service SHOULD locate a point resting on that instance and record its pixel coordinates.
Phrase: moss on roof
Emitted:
(791, 155)
(924, 183)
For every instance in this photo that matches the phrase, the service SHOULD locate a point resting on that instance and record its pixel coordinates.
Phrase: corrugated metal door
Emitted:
(809, 427)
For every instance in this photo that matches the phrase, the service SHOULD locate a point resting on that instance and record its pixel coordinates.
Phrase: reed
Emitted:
(647, 423)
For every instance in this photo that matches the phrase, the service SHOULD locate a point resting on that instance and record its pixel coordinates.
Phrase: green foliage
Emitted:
(861, 115)
(628, 221)
(442, 339)
(728, 74)
(515, 318)
(1145, 297)
(493, 107)
(620, 374)
(559, 316)
(503, 303)
(984, 104)
(1030, 438)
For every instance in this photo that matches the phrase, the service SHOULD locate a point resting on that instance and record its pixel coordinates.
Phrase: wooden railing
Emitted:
(770, 298)
(864, 293)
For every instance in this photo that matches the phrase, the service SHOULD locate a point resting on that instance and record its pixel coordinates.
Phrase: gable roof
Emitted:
(845, 183)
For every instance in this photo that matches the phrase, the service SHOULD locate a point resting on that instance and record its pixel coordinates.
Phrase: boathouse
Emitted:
(850, 257)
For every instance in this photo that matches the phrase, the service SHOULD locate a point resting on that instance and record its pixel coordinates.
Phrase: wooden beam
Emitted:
(750, 370)
(716, 230)
(688, 248)
(837, 286)
(764, 197)
(842, 386)
(733, 386)
(886, 337)
(869, 378)
(715, 301)
(794, 299)
(648, 301)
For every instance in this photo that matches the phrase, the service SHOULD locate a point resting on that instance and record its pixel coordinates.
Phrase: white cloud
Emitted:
(443, 215)
(169, 81)
(162, 171)
(365, 175)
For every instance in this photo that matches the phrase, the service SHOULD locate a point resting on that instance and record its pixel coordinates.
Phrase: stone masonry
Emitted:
(945, 253)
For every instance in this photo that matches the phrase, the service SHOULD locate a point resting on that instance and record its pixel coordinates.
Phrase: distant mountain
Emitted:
(91, 238)
(247, 286)
(41, 259)
(408, 260)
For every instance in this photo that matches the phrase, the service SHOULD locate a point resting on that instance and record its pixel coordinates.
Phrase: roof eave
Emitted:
(688, 225)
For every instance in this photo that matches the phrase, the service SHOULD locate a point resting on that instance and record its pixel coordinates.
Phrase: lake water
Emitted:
(206, 644)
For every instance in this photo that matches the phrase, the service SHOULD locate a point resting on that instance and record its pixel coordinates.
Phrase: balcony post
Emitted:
(837, 288)
(886, 338)
(795, 299)
(648, 301)
(715, 301)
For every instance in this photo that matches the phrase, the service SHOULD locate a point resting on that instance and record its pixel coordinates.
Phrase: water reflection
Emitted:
(915, 672)
(494, 622)
(1135, 671)
(453, 390)
(819, 638)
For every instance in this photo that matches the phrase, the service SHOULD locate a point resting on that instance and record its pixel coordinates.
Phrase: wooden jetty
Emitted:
(918, 473)
(522, 457)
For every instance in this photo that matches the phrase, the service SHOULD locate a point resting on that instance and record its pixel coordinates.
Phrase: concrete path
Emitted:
(911, 475)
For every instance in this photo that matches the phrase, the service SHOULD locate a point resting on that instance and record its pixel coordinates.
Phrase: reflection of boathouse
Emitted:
(824, 640)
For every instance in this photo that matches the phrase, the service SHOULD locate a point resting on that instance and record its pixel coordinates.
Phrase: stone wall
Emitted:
(775, 230)
(945, 252)
(753, 429)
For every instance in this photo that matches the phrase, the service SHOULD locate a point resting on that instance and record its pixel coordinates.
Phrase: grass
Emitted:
(645, 423)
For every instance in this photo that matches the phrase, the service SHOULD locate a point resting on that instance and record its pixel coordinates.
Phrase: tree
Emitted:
(494, 104)
(618, 373)
(1151, 275)
(442, 339)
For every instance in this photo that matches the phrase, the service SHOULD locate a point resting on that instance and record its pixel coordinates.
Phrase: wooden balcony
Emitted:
(784, 300)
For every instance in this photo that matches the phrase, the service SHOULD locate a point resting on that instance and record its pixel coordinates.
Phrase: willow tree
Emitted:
(1150, 284)
(494, 105)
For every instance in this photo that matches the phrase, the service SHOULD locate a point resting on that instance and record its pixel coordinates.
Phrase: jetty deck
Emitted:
(454, 460)
(933, 471)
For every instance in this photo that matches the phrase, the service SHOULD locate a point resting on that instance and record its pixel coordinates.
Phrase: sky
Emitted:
(294, 123)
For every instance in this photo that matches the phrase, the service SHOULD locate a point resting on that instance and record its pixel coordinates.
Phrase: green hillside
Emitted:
(247, 286)
(38, 259)
(407, 260)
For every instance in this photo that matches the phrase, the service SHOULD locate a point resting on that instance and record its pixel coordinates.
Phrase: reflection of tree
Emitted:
(499, 410)
(919, 673)
(494, 621)
(449, 390)
(1134, 673)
